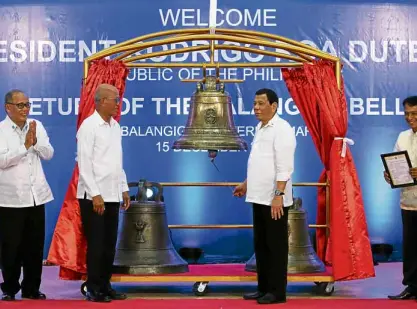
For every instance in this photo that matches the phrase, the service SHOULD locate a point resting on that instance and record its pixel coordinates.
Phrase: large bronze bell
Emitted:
(210, 124)
(301, 255)
(144, 243)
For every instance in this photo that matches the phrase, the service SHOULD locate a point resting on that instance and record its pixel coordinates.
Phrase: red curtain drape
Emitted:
(324, 109)
(305, 99)
(68, 246)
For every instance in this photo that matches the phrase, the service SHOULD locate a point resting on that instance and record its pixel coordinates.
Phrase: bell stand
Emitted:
(298, 53)
(224, 273)
(324, 281)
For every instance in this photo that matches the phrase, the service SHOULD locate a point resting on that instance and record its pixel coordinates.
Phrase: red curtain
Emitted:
(68, 246)
(324, 110)
(304, 98)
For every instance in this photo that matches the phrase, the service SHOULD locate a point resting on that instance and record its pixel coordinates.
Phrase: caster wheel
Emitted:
(83, 288)
(200, 288)
(325, 288)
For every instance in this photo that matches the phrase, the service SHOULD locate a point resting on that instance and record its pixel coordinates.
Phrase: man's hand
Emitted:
(126, 200)
(240, 190)
(98, 204)
(387, 178)
(277, 207)
(31, 135)
(29, 138)
(32, 126)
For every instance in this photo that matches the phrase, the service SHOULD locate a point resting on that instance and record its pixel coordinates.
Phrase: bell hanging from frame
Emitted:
(301, 255)
(210, 124)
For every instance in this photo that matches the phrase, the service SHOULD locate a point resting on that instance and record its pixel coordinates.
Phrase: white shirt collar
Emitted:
(101, 121)
(271, 122)
(14, 126)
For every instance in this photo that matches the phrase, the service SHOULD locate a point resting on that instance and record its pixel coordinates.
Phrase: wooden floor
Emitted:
(387, 281)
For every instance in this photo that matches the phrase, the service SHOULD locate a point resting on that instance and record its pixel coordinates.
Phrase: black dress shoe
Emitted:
(97, 297)
(112, 294)
(7, 297)
(37, 295)
(404, 295)
(253, 296)
(270, 298)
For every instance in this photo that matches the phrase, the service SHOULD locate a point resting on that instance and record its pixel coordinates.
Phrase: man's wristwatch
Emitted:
(278, 193)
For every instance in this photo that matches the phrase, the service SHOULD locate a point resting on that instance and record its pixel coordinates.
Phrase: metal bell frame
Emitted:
(300, 53)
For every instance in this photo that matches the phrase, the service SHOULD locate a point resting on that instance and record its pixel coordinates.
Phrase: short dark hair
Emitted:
(412, 101)
(9, 96)
(270, 94)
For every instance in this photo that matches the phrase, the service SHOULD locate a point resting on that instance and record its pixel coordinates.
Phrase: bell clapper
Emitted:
(212, 155)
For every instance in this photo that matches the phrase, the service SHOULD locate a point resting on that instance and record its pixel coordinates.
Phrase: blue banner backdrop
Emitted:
(43, 44)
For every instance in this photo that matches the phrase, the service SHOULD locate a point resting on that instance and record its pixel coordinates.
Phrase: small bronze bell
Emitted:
(144, 244)
(210, 124)
(301, 255)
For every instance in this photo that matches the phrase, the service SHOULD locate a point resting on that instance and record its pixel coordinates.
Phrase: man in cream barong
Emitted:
(407, 141)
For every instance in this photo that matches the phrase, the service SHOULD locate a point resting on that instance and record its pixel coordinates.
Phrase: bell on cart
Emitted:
(301, 255)
(210, 124)
(144, 244)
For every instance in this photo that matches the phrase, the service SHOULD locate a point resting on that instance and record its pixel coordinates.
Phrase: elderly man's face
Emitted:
(18, 108)
(110, 103)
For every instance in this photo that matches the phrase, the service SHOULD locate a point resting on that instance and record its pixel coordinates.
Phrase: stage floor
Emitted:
(387, 281)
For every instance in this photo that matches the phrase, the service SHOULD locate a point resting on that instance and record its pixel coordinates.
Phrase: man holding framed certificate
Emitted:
(401, 172)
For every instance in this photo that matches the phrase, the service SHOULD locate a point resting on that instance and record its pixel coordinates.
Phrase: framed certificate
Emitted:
(397, 165)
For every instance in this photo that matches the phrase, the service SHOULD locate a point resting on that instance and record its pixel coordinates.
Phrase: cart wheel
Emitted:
(84, 288)
(325, 288)
(200, 288)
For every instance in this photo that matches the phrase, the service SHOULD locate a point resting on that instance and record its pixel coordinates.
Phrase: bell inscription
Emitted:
(140, 227)
(210, 116)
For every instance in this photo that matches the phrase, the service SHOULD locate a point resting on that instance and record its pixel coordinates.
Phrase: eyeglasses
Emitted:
(20, 105)
(117, 99)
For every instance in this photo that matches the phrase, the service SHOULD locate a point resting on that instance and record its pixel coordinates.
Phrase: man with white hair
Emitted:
(102, 185)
